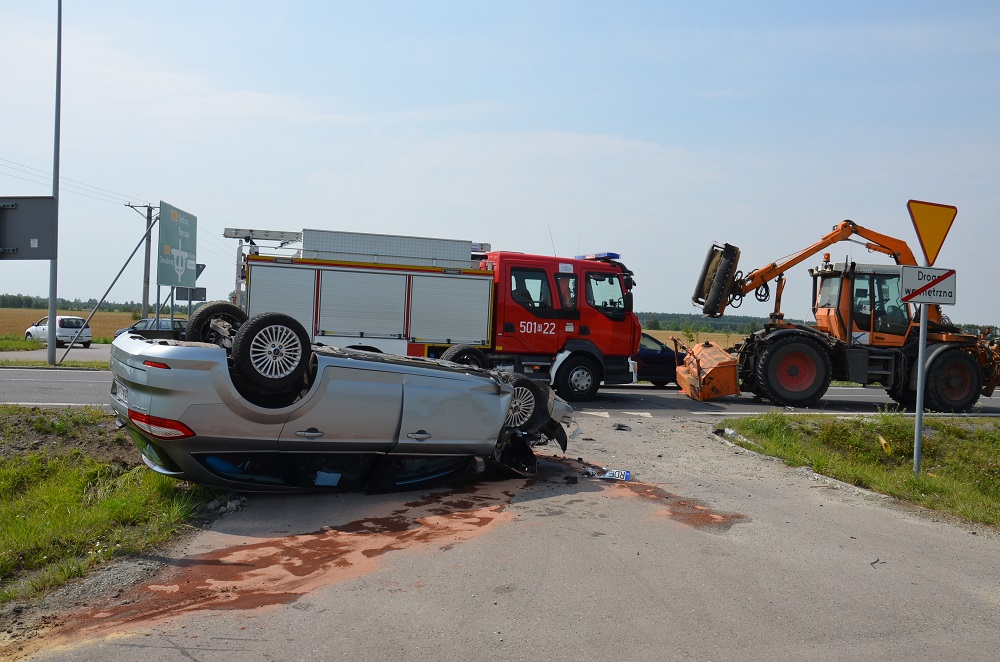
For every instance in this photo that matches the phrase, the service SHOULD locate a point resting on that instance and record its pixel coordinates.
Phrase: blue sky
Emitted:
(647, 128)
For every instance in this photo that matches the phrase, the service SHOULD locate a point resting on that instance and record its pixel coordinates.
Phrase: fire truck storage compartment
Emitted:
(361, 303)
(451, 309)
(290, 290)
(386, 249)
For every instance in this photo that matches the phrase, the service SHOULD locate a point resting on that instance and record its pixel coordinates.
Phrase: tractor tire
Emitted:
(199, 328)
(578, 379)
(903, 395)
(466, 355)
(530, 408)
(795, 371)
(954, 382)
(272, 351)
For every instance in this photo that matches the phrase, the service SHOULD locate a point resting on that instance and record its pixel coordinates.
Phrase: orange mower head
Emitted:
(708, 371)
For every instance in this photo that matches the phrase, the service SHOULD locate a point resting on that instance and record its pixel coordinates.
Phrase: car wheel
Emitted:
(530, 407)
(466, 355)
(578, 379)
(954, 381)
(659, 383)
(199, 328)
(272, 351)
(28, 336)
(86, 345)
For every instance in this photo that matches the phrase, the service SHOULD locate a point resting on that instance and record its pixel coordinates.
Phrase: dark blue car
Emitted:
(656, 361)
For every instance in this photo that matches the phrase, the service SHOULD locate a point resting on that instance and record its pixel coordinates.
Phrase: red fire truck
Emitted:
(568, 322)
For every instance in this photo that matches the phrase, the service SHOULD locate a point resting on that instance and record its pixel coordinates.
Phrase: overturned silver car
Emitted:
(251, 404)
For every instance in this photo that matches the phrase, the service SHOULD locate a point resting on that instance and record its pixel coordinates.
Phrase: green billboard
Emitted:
(175, 262)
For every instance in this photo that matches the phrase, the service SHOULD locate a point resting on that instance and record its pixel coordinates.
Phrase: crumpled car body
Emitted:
(353, 420)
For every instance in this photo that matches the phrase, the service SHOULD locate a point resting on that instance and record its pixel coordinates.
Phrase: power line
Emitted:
(91, 191)
(97, 193)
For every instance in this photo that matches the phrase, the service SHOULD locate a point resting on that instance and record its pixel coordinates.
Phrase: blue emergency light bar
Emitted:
(600, 256)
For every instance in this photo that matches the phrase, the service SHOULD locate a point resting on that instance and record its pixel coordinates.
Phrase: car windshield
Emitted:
(71, 322)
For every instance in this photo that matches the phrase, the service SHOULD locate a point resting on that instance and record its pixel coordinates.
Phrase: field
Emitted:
(14, 321)
(723, 339)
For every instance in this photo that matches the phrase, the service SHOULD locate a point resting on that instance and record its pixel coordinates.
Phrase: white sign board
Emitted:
(926, 285)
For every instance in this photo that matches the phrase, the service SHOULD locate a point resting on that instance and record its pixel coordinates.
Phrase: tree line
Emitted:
(42, 303)
(744, 324)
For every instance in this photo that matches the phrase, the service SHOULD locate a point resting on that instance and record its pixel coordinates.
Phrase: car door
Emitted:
(351, 410)
(656, 360)
(446, 413)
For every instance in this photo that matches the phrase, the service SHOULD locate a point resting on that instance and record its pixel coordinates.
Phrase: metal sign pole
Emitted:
(53, 265)
(918, 423)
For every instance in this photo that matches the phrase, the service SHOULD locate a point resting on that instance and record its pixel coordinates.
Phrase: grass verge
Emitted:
(17, 363)
(64, 511)
(960, 466)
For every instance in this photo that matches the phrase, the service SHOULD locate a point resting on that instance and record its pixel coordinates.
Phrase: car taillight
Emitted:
(161, 428)
(156, 364)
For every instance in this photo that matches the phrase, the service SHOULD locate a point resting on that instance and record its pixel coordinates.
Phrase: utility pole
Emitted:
(145, 270)
(149, 246)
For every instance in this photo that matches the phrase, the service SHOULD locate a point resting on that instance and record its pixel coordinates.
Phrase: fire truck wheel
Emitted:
(530, 407)
(794, 371)
(578, 379)
(954, 381)
(199, 328)
(271, 351)
(466, 355)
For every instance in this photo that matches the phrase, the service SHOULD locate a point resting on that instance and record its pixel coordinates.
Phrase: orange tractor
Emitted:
(864, 333)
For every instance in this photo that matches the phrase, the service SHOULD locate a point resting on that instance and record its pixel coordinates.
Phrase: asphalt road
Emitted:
(61, 387)
(709, 553)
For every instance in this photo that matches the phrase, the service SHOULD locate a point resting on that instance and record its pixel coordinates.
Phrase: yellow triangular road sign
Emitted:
(932, 222)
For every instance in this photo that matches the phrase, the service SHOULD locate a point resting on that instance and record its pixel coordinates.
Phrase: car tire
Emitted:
(578, 379)
(28, 336)
(272, 351)
(530, 408)
(466, 355)
(658, 383)
(199, 328)
(86, 345)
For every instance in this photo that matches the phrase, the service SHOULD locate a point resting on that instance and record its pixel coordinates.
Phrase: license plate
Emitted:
(119, 392)
(617, 474)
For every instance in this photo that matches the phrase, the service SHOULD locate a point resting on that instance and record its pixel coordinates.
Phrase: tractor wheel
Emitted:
(903, 395)
(199, 328)
(794, 371)
(578, 379)
(954, 382)
(271, 351)
(466, 355)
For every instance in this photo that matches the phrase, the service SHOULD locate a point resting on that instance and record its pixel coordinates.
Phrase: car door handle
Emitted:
(311, 433)
(419, 435)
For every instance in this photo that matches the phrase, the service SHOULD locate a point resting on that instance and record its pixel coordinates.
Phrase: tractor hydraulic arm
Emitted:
(880, 243)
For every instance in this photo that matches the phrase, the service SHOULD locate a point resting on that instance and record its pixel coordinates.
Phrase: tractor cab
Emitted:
(861, 304)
